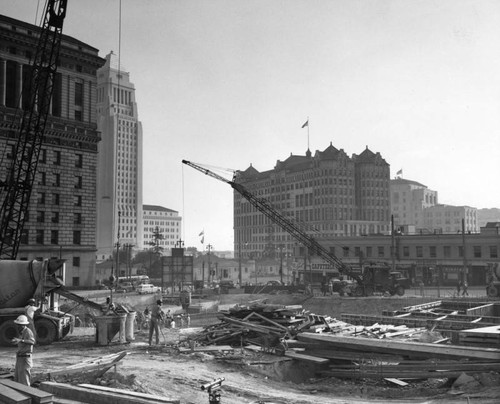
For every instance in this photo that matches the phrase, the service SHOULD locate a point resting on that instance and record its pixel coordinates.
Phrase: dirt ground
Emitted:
(250, 377)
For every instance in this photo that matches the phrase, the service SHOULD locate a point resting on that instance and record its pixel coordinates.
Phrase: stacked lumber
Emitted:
(368, 357)
(12, 392)
(484, 336)
(261, 324)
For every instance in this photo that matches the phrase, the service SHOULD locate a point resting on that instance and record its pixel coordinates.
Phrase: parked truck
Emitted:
(23, 280)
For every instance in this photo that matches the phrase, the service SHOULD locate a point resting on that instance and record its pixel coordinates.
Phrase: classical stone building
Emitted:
(62, 209)
(330, 194)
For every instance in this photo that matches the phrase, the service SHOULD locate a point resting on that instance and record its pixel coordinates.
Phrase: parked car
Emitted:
(125, 287)
(274, 283)
(145, 288)
(226, 284)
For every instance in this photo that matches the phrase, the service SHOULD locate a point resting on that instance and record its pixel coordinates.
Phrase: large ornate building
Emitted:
(62, 209)
(330, 194)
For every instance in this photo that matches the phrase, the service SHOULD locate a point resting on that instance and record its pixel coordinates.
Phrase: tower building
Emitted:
(119, 185)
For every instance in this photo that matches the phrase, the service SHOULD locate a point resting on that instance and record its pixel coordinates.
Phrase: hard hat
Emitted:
(32, 302)
(22, 320)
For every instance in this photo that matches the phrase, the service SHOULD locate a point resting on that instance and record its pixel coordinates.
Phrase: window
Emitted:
(40, 216)
(57, 158)
(24, 236)
(369, 251)
(41, 198)
(406, 251)
(76, 281)
(380, 251)
(78, 160)
(76, 261)
(43, 156)
(78, 116)
(77, 218)
(54, 237)
(57, 180)
(460, 251)
(357, 251)
(39, 236)
(78, 182)
(77, 237)
(477, 251)
(420, 251)
(447, 251)
(43, 178)
(78, 200)
(493, 251)
(346, 251)
(55, 199)
(432, 251)
(79, 94)
(55, 217)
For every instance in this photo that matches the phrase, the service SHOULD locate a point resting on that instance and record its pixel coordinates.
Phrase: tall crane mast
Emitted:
(17, 187)
(263, 206)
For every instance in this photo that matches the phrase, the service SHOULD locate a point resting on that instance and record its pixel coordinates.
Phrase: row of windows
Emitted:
(41, 237)
(41, 217)
(41, 199)
(56, 156)
(420, 252)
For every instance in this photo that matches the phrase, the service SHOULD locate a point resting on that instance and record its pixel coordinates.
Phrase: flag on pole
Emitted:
(400, 172)
(306, 123)
(202, 233)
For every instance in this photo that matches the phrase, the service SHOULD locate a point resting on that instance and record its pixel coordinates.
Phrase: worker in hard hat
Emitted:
(157, 316)
(25, 342)
(30, 310)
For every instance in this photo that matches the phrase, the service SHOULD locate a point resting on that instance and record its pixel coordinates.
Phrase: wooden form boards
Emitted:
(97, 396)
(419, 349)
(37, 396)
(10, 396)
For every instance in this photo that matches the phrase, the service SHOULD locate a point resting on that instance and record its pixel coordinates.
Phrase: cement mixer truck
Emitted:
(23, 280)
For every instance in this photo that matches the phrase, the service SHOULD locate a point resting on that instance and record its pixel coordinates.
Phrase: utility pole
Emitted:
(281, 263)
(209, 248)
(464, 269)
(393, 246)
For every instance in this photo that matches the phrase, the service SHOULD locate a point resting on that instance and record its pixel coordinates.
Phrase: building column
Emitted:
(3, 81)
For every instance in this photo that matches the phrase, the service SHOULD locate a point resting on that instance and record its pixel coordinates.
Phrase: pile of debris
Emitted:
(341, 349)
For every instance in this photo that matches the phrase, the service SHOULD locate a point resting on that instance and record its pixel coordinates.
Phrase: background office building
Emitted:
(62, 210)
(119, 185)
(329, 194)
(162, 227)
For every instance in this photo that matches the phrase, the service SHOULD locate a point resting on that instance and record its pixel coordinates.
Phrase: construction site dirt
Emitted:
(250, 376)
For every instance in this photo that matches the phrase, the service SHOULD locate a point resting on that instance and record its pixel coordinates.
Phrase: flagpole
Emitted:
(308, 133)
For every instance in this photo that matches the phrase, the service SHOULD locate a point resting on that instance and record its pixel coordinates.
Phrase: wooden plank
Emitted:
(307, 358)
(11, 396)
(419, 349)
(37, 396)
(153, 397)
(96, 397)
(210, 348)
(396, 381)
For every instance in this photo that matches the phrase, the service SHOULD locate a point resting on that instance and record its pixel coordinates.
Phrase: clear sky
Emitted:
(229, 83)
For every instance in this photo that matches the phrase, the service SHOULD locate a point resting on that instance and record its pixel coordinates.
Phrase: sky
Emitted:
(229, 83)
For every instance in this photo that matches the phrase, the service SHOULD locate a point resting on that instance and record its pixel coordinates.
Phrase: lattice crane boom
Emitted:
(16, 189)
(263, 206)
